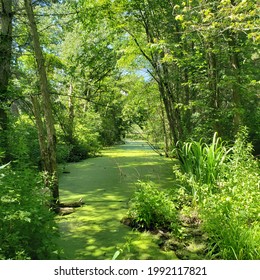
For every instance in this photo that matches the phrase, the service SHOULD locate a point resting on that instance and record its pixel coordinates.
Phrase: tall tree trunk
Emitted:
(165, 130)
(172, 89)
(5, 62)
(41, 133)
(169, 112)
(71, 116)
(51, 165)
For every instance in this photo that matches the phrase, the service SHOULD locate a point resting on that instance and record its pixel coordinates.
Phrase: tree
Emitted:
(5, 63)
(199, 54)
(48, 144)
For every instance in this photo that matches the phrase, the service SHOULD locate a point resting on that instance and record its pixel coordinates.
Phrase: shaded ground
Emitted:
(106, 184)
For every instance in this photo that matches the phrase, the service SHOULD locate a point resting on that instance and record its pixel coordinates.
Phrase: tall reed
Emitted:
(201, 161)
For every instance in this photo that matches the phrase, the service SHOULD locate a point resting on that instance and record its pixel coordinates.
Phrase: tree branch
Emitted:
(140, 48)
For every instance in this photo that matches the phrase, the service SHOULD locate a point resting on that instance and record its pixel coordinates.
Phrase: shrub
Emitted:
(152, 209)
(23, 142)
(27, 227)
(78, 152)
(63, 152)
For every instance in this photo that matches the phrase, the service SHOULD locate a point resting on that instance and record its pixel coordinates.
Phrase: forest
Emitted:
(150, 106)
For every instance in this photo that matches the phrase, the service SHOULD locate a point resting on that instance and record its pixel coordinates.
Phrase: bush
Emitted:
(152, 209)
(79, 150)
(63, 152)
(77, 153)
(23, 142)
(27, 227)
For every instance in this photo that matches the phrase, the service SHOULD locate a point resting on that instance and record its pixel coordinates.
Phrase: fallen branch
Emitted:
(72, 204)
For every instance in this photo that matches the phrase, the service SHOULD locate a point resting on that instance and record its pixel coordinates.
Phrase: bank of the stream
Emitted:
(106, 184)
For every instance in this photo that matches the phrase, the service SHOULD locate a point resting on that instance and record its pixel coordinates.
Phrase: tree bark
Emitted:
(50, 160)
(167, 143)
(5, 62)
(41, 132)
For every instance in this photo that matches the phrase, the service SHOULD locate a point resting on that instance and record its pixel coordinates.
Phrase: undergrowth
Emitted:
(216, 195)
(27, 227)
(228, 203)
(152, 209)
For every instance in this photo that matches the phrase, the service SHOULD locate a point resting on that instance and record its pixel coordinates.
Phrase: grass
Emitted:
(106, 184)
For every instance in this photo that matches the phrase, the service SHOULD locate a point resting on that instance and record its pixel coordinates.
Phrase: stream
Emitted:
(106, 184)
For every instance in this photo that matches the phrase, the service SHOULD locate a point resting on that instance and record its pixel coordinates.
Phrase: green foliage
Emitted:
(87, 142)
(63, 152)
(84, 142)
(201, 76)
(201, 166)
(123, 252)
(204, 163)
(78, 152)
(231, 216)
(27, 227)
(230, 213)
(23, 141)
(152, 209)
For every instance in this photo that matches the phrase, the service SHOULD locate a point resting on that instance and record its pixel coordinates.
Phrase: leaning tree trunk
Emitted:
(165, 130)
(41, 133)
(50, 162)
(5, 62)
